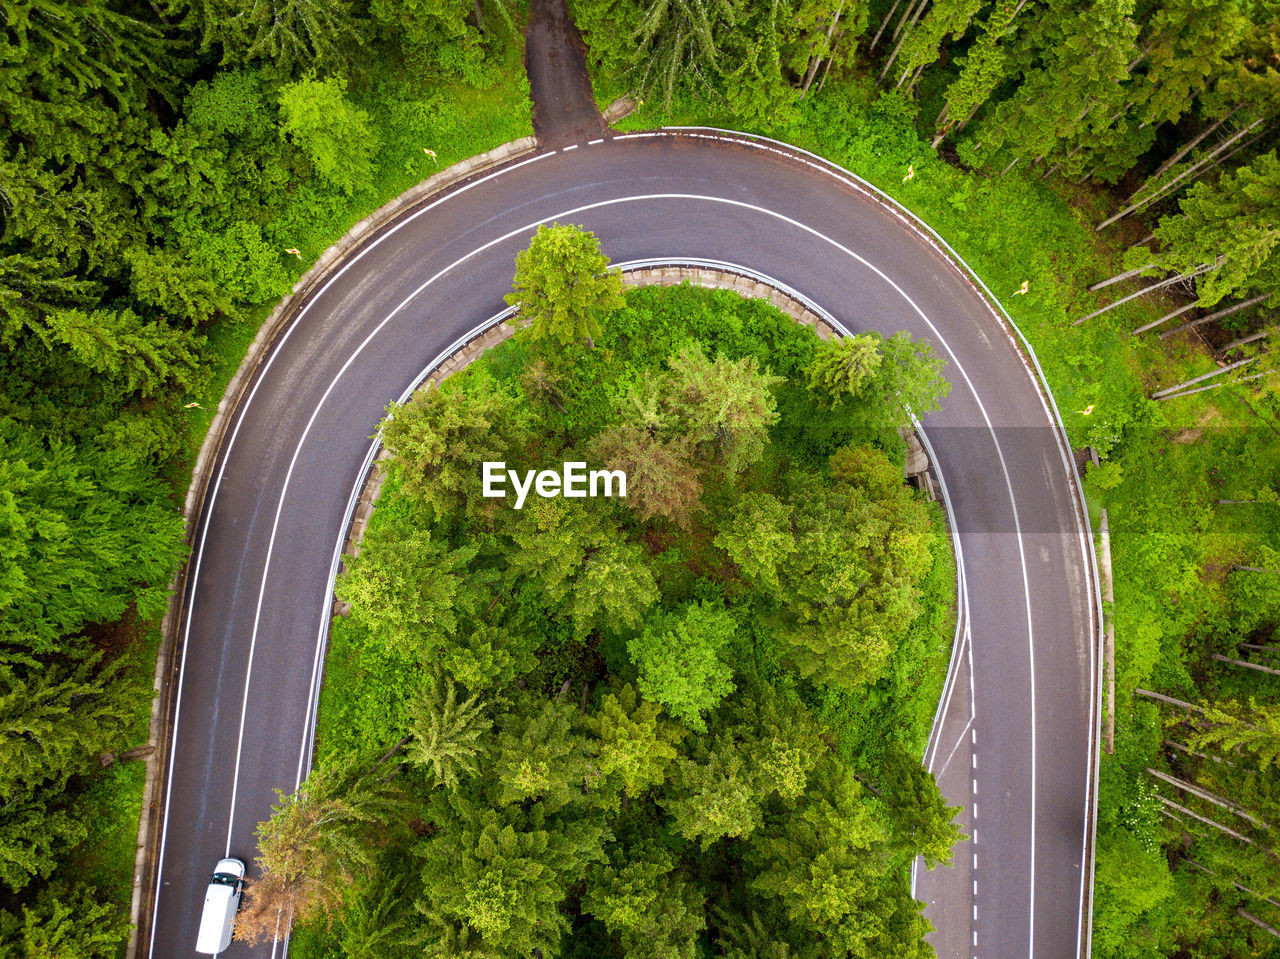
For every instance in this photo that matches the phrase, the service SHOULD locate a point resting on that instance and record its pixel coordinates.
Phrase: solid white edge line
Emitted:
(593, 206)
(452, 193)
(1093, 760)
(448, 193)
(202, 519)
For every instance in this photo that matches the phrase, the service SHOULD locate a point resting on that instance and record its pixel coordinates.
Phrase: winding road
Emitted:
(1015, 738)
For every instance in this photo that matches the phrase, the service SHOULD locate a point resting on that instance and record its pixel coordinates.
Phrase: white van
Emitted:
(220, 904)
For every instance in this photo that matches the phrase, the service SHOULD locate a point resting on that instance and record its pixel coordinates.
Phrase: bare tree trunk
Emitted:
(826, 72)
(1207, 796)
(1155, 286)
(1102, 284)
(1256, 647)
(1240, 662)
(1166, 318)
(1252, 892)
(1169, 700)
(1191, 752)
(1270, 930)
(1012, 164)
(888, 17)
(1178, 179)
(813, 67)
(916, 79)
(1227, 311)
(909, 16)
(1211, 386)
(919, 9)
(1200, 138)
(938, 123)
(1202, 377)
(1206, 820)
(1251, 338)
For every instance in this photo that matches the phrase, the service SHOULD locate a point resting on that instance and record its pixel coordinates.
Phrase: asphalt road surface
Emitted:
(1014, 743)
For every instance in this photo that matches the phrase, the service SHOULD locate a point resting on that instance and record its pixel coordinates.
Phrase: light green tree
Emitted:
(406, 586)
(442, 437)
(842, 366)
(563, 286)
(919, 816)
(633, 743)
(446, 732)
(758, 538)
(651, 911)
(336, 135)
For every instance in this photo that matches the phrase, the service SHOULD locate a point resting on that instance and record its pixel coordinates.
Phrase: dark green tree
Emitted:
(540, 756)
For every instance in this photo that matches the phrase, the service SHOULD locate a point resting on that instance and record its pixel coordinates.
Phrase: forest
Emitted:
(685, 719)
(169, 168)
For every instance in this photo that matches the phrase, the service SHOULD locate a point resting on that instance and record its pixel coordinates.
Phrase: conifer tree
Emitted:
(317, 842)
(540, 756)
(1231, 227)
(406, 586)
(446, 732)
(843, 366)
(493, 879)
(919, 816)
(563, 286)
(633, 744)
(442, 437)
(1082, 59)
(294, 35)
(723, 405)
(642, 902)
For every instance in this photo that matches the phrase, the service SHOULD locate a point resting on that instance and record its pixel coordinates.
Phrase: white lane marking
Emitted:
(753, 207)
(308, 738)
(207, 512)
(960, 740)
(649, 198)
(568, 148)
(1084, 930)
(592, 143)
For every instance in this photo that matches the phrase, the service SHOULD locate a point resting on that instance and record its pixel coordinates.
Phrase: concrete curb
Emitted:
(167, 659)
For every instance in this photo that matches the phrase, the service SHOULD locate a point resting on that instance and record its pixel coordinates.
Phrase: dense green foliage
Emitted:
(1189, 486)
(629, 732)
(158, 164)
